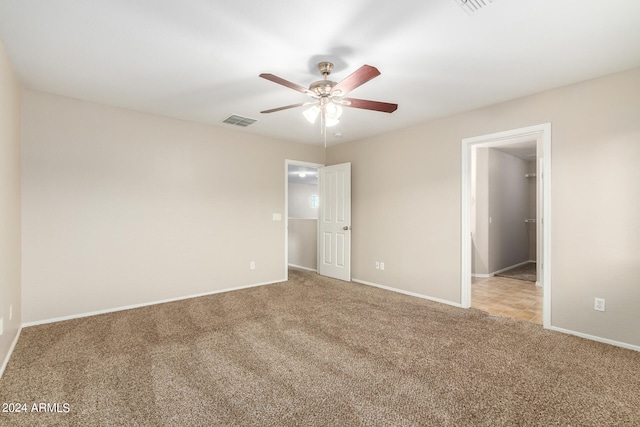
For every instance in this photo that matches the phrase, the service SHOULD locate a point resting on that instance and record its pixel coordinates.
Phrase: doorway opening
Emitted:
(498, 233)
(503, 230)
(301, 213)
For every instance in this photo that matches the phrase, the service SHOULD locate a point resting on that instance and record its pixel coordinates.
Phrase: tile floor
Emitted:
(509, 297)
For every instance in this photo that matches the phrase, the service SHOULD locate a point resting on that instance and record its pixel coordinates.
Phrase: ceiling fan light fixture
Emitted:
(311, 114)
(333, 111)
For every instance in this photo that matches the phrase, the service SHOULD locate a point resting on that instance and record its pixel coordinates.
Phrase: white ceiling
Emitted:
(199, 60)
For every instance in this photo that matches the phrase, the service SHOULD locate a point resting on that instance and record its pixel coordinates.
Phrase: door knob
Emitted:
(345, 228)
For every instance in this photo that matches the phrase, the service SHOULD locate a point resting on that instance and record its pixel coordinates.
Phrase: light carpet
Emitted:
(314, 351)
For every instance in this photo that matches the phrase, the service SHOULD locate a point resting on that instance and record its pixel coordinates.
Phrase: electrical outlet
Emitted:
(381, 265)
(1, 325)
(599, 304)
(252, 265)
(11, 312)
(377, 265)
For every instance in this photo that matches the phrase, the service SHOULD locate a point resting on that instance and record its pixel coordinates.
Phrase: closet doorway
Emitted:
(541, 134)
(503, 230)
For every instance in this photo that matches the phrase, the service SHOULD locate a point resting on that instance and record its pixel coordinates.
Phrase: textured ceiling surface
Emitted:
(199, 60)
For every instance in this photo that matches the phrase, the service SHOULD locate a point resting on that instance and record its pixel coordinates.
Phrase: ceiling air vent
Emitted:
(471, 6)
(239, 121)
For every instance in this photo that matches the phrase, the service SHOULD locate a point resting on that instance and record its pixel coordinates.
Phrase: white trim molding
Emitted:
(145, 304)
(413, 294)
(303, 268)
(502, 269)
(596, 338)
(5, 362)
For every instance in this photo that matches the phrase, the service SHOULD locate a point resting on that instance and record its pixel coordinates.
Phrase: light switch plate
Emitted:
(277, 217)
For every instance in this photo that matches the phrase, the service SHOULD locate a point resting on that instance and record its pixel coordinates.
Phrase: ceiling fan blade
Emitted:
(286, 83)
(365, 104)
(355, 79)
(286, 107)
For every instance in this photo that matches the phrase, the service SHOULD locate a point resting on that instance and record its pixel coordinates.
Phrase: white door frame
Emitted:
(542, 133)
(288, 162)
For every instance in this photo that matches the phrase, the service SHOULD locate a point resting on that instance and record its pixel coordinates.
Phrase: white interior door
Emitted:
(334, 221)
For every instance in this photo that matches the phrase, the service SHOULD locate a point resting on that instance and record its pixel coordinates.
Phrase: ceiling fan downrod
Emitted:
(323, 88)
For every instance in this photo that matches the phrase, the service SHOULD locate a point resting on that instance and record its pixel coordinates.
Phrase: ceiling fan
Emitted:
(328, 96)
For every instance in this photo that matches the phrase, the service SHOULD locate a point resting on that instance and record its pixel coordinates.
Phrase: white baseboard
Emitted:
(596, 338)
(363, 282)
(552, 328)
(413, 294)
(5, 362)
(482, 275)
(303, 268)
(145, 304)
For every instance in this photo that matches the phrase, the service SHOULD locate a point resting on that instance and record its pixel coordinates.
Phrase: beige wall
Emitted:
(300, 200)
(122, 208)
(500, 194)
(303, 243)
(406, 201)
(303, 226)
(508, 208)
(10, 295)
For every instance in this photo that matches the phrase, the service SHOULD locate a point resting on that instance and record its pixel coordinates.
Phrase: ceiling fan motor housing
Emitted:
(322, 88)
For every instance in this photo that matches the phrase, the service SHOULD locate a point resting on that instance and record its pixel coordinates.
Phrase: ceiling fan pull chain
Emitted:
(323, 127)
